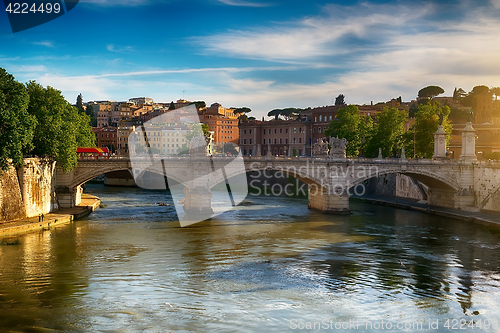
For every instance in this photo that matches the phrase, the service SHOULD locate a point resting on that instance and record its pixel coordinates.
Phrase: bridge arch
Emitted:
(86, 173)
(309, 180)
(430, 179)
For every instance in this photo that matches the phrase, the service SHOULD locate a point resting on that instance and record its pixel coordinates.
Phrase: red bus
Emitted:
(92, 153)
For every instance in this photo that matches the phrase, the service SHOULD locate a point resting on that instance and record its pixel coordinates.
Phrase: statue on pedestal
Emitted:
(320, 148)
(337, 147)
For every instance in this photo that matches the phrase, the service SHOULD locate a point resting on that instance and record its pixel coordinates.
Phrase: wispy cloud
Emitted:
(243, 3)
(200, 70)
(324, 35)
(29, 68)
(124, 49)
(391, 49)
(44, 43)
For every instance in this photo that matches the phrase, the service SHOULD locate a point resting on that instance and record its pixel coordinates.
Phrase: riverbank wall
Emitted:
(88, 204)
(28, 191)
(486, 218)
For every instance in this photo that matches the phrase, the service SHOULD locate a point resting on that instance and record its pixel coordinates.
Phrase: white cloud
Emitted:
(244, 3)
(73, 85)
(29, 68)
(314, 36)
(44, 43)
(495, 3)
(386, 50)
(124, 49)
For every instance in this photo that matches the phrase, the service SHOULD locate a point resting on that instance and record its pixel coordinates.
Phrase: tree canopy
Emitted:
(198, 104)
(387, 133)
(426, 123)
(480, 90)
(340, 100)
(287, 113)
(470, 99)
(459, 93)
(243, 109)
(79, 103)
(16, 124)
(39, 121)
(353, 126)
(60, 128)
(430, 92)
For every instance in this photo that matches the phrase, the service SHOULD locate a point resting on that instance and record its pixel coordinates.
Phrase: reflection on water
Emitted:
(271, 265)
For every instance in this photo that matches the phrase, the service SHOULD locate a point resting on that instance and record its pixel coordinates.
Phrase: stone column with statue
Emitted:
(440, 141)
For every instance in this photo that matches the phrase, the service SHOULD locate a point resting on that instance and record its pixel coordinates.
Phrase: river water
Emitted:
(270, 266)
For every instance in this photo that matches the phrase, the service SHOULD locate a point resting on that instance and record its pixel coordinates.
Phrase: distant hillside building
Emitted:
(484, 108)
(142, 100)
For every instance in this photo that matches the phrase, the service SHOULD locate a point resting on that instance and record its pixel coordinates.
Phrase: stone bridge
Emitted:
(463, 184)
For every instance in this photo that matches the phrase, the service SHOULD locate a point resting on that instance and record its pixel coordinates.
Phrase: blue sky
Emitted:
(256, 53)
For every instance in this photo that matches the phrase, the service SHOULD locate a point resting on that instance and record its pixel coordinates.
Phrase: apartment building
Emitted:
(141, 101)
(276, 137)
(106, 137)
(103, 112)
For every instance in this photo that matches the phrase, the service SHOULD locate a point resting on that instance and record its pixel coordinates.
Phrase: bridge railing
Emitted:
(324, 159)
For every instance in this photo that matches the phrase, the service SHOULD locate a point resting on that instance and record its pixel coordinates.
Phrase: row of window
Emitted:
(270, 130)
(269, 141)
(319, 129)
(322, 119)
(166, 134)
(264, 152)
(168, 145)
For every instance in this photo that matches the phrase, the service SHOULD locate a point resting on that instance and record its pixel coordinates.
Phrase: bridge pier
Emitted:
(330, 203)
(69, 198)
(198, 203)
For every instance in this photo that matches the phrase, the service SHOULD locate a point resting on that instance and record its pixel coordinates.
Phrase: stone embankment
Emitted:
(487, 218)
(66, 215)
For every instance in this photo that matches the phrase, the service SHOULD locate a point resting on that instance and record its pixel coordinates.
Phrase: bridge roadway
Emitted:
(468, 185)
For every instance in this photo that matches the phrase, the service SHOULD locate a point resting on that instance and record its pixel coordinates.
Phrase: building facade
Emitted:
(106, 137)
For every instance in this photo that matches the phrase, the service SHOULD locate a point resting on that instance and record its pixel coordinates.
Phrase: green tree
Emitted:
(426, 124)
(354, 127)
(340, 100)
(430, 92)
(482, 89)
(198, 129)
(387, 133)
(93, 116)
(459, 94)
(469, 100)
(172, 106)
(199, 104)
(60, 127)
(287, 113)
(79, 103)
(16, 124)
